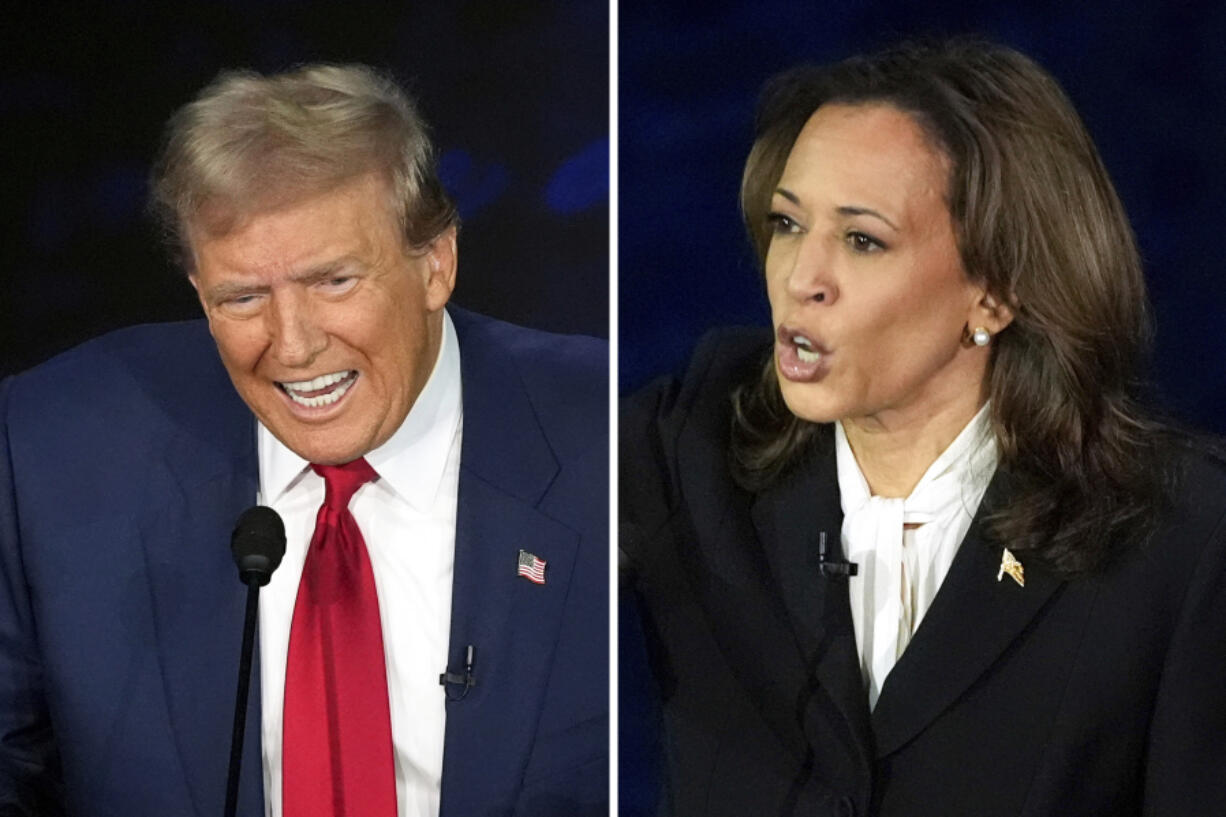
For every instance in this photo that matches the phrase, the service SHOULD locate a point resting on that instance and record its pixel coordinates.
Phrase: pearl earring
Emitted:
(981, 336)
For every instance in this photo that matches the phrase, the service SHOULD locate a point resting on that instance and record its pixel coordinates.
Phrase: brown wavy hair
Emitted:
(1037, 220)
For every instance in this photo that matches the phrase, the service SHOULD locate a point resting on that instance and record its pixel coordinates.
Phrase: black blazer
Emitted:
(1097, 696)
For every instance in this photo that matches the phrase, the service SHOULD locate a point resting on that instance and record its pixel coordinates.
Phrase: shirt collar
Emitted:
(411, 462)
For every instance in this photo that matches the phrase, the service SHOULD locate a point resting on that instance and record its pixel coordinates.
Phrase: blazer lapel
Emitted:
(196, 597)
(789, 517)
(512, 623)
(973, 619)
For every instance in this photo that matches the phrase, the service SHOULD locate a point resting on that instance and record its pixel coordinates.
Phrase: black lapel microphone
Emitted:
(449, 680)
(258, 543)
(832, 567)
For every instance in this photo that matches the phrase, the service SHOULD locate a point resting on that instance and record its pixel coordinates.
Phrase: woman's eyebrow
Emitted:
(848, 210)
(788, 194)
(844, 210)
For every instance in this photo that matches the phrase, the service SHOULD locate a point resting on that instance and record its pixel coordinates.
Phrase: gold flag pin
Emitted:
(1010, 565)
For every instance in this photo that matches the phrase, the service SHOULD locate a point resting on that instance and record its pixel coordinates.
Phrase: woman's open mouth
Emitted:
(800, 358)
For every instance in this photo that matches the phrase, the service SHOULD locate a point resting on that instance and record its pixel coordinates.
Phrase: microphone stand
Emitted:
(244, 684)
(257, 544)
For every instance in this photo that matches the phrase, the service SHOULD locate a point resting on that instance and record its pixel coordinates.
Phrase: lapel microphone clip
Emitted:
(832, 567)
(450, 680)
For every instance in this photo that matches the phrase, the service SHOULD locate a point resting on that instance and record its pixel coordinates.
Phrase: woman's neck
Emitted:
(895, 449)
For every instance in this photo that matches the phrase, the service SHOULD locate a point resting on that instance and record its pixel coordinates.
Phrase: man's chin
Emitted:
(327, 454)
(321, 444)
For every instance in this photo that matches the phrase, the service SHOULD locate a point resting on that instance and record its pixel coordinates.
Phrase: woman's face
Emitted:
(867, 291)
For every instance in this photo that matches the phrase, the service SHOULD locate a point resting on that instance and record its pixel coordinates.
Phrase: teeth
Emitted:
(805, 350)
(323, 381)
(807, 355)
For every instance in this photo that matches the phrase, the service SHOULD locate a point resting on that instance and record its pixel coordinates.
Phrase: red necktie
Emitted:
(336, 755)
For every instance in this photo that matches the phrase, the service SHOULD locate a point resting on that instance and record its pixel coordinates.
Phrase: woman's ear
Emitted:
(991, 313)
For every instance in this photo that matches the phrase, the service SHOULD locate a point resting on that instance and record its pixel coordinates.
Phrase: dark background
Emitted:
(1148, 78)
(517, 94)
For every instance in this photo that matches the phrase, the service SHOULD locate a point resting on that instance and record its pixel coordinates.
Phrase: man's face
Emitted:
(327, 323)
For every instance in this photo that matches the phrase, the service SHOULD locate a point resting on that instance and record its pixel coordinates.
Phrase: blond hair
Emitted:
(250, 142)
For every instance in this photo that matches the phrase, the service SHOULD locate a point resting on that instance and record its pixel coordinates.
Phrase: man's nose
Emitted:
(296, 337)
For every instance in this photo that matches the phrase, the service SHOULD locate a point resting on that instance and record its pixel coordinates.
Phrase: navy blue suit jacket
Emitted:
(124, 465)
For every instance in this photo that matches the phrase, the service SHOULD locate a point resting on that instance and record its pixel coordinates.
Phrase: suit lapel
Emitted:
(789, 516)
(195, 595)
(505, 469)
(972, 621)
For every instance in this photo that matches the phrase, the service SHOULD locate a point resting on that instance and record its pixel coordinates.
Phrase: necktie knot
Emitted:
(341, 482)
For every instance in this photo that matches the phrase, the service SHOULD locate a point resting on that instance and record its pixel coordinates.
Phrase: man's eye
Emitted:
(863, 242)
(782, 224)
(339, 283)
(241, 304)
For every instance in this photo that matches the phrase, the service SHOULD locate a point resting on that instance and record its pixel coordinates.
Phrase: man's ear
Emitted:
(440, 258)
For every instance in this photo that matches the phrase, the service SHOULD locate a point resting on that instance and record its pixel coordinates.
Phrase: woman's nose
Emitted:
(810, 276)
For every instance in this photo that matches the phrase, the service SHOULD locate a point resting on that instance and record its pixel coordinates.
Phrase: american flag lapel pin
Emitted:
(1009, 564)
(531, 567)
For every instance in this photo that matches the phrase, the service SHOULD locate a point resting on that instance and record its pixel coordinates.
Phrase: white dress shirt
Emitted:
(407, 517)
(902, 568)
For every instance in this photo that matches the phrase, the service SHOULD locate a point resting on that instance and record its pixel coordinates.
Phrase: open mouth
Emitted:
(801, 358)
(319, 391)
(805, 350)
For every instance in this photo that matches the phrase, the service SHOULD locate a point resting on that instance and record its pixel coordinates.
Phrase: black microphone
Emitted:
(467, 681)
(832, 567)
(258, 543)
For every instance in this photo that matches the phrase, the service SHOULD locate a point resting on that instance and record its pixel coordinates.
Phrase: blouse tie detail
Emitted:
(902, 567)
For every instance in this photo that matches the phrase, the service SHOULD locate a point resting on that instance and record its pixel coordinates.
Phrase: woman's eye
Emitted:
(782, 224)
(863, 242)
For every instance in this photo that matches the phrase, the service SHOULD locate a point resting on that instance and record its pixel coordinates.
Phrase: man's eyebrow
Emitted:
(312, 275)
(232, 289)
(324, 271)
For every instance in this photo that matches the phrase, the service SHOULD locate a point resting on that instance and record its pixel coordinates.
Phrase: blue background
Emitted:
(517, 94)
(1148, 78)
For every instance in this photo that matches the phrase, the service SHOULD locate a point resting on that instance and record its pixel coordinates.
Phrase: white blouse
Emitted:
(901, 568)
